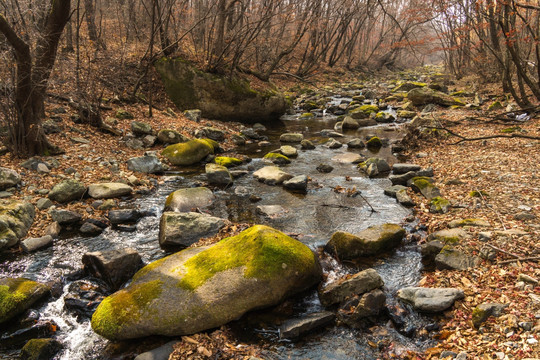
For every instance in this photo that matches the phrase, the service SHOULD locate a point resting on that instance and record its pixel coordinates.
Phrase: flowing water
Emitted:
(311, 217)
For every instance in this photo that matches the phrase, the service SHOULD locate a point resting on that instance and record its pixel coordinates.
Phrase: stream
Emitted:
(312, 217)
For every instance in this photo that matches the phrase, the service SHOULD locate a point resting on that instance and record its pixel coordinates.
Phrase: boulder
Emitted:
(297, 183)
(333, 144)
(277, 159)
(360, 283)
(288, 151)
(359, 307)
(374, 143)
(227, 161)
(324, 168)
(374, 166)
(16, 218)
(453, 259)
(430, 299)
(124, 216)
(180, 230)
(272, 211)
(43, 204)
(356, 144)
(403, 168)
(307, 145)
(271, 175)
(371, 241)
(140, 128)
(424, 185)
(439, 205)
(188, 153)
(348, 158)
(296, 328)
(193, 114)
(40, 349)
(350, 123)
(33, 244)
(168, 136)
(109, 190)
(404, 199)
(448, 236)
(211, 133)
(123, 114)
(90, 229)
(217, 174)
(221, 97)
(408, 86)
(425, 95)
(393, 190)
(17, 295)
(115, 267)
(65, 217)
(145, 164)
(331, 133)
(186, 200)
(258, 268)
(291, 138)
(402, 179)
(483, 311)
(66, 191)
(8, 178)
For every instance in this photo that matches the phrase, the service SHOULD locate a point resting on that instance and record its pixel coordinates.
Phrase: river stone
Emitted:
(359, 307)
(430, 299)
(181, 230)
(258, 268)
(371, 241)
(227, 161)
(358, 284)
(211, 133)
(297, 183)
(425, 95)
(348, 158)
(291, 138)
(33, 244)
(66, 191)
(392, 190)
(109, 190)
(124, 216)
(139, 128)
(90, 229)
(188, 153)
(404, 199)
(145, 164)
(430, 250)
(272, 175)
(402, 179)
(53, 229)
(161, 353)
(295, 328)
(356, 144)
(307, 145)
(17, 295)
(350, 123)
(277, 159)
(40, 349)
(468, 222)
(424, 185)
(8, 178)
(288, 151)
(374, 166)
(16, 218)
(453, 259)
(65, 217)
(43, 204)
(167, 136)
(193, 115)
(333, 144)
(217, 174)
(483, 311)
(272, 211)
(115, 267)
(404, 168)
(449, 236)
(185, 200)
(331, 133)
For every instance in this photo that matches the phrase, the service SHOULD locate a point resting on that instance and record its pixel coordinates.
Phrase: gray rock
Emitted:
(90, 229)
(374, 166)
(468, 222)
(43, 203)
(371, 170)
(149, 140)
(446, 353)
(449, 236)
(424, 185)
(297, 183)
(331, 133)
(186, 200)
(350, 123)
(291, 138)
(333, 144)
(453, 259)
(425, 95)
(145, 164)
(134, 143)
(139, 128)
(33, 244)
(483, 311)
(167, 136)
(405, 168)
(211, 133)
(356, 144)
(404, 199)
(115, 267)
(365, 122)
(123, 114)
(524, 216)
(42, 169)
(295, 328)
(348, 158)
(238, 140)
(193, 115)
(161, 353)
(180, 230)
(271, 175)
(428, 172)
(430, 299)
(430, 250)
(218, 174)
(324, 168)
(109, 190)
(402, 179)
(358, 284)
(272, 211)
(288, 151)
(53, 229)
(359, 307)
(5, 194)
(307, 145)
(66, 191)
(392, 190)
(124, 216)
(65, 217)
(16, 218)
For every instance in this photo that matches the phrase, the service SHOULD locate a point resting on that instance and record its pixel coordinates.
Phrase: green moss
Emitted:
(495, 106)
(478, 194)
(307, 115)
(479, 315)
(17, 294)
(123, 307)
(227, 161)
(439, 204)
(39, 349)
(374, 143)
(189, 152)
(277, 158)
(368, 109)
(422, 182)
(511, 130)
(263, 251)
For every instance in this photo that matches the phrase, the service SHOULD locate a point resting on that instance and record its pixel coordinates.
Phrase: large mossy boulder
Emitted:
(371, 241)
(17, 295)
(226, 98)
(203, 288)
(425, 95)
(16, 218)
(188, 153)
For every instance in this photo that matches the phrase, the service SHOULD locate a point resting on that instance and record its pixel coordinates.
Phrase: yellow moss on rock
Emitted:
(17, 294)
(190, 152)
(227, 161)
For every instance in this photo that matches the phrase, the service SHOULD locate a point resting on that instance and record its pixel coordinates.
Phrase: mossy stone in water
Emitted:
(188, 153)
(17, 295)
(278, 159)
(227, 161)
(203, 288)
(374, 143)
(371, 241)
(40, 349)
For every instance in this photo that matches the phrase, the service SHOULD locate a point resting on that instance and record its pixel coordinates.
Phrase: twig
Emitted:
(337, 206)
(463, 138)
(519, 259)
(503, 251)
(367, 202)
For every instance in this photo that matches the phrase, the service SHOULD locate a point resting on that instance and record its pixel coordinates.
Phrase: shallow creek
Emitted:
(311, 217)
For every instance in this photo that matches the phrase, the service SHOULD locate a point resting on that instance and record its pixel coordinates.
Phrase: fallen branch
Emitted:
(519, 259)
(463, 138)
(503, 251)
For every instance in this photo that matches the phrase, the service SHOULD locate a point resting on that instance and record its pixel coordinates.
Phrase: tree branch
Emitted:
(463, 138)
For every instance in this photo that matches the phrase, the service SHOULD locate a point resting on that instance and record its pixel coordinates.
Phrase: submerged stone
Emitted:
(185, 200)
